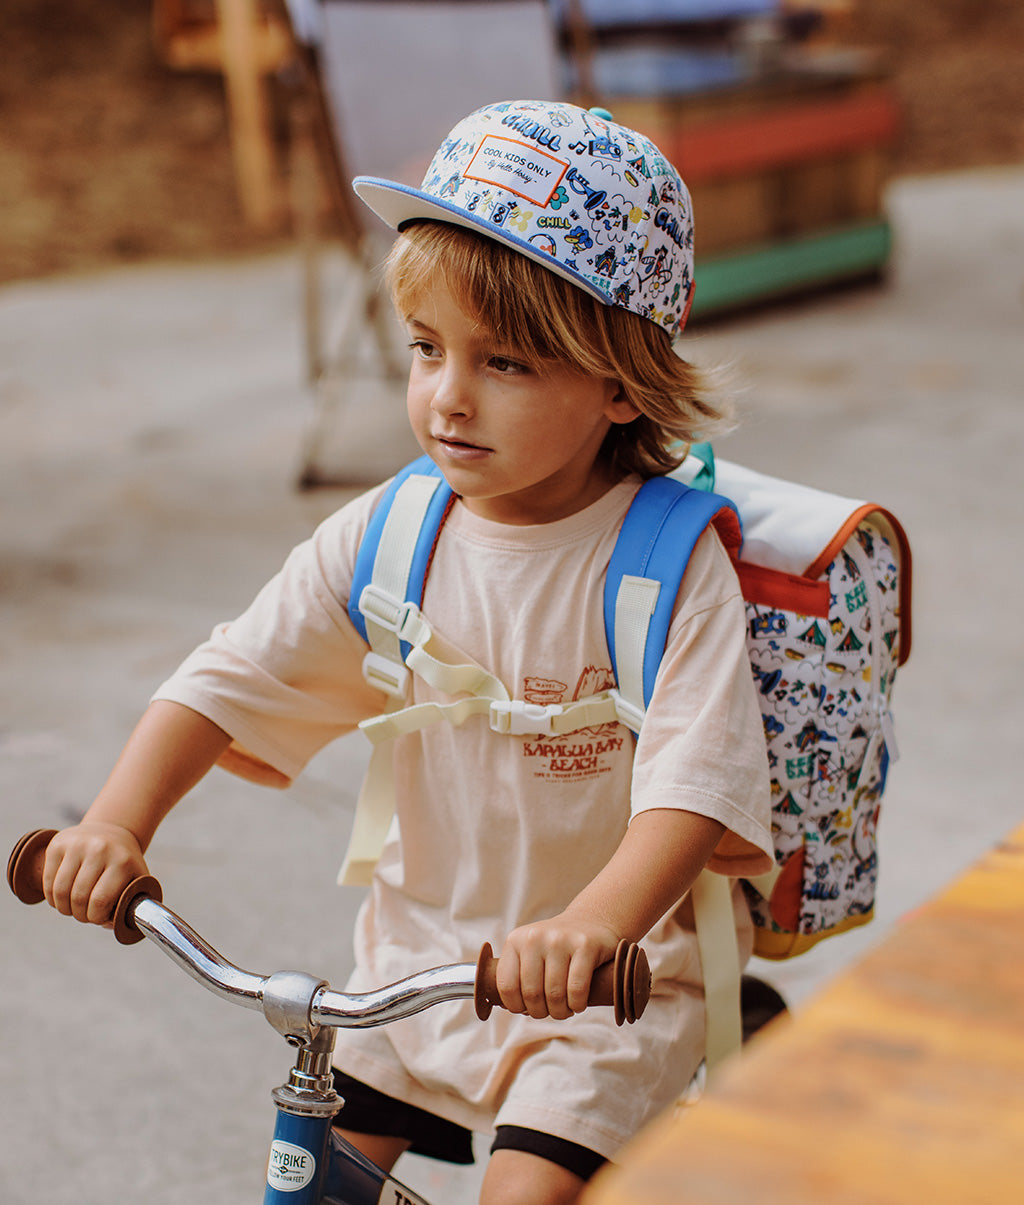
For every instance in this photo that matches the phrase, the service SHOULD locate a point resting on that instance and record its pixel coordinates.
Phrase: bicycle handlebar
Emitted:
(295, 1003)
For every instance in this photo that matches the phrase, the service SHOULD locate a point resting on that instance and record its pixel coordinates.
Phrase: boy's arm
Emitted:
(88, 866)
(545, 968)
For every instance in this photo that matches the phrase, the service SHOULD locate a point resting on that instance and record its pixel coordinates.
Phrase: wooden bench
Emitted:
(902, 1083)
(787, 174)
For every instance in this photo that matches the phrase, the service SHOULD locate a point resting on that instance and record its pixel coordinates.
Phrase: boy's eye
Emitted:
(504, 365)
(423, 348)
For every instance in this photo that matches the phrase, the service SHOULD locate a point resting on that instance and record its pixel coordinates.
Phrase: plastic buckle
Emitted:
(402, 618)
(386, 675)
(515, 717)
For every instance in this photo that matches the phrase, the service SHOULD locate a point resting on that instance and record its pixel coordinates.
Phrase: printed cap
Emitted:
(591, 200)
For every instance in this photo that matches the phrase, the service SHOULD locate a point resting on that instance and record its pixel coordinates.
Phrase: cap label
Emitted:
(517, 167)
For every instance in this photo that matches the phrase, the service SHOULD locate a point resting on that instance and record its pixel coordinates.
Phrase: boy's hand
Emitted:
(88, 866)
(545, 968)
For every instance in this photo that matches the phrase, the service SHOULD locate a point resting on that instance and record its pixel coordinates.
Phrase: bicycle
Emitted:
(309, 1162)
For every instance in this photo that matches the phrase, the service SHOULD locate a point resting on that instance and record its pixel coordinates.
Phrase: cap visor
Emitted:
(396, 204)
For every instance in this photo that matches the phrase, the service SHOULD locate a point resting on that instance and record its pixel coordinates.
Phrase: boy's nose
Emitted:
(452, 394)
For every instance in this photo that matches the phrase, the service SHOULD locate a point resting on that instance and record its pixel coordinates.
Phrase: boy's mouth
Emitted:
(459, 445)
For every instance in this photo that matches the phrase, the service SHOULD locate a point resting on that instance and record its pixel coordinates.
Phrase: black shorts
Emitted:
(368, 1111)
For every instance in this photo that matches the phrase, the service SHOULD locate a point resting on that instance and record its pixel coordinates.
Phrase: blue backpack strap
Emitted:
(435, 517)
(658, 536)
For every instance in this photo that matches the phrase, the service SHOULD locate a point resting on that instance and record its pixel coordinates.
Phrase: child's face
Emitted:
(519, 445)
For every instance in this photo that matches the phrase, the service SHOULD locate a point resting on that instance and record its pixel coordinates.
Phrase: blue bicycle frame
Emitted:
(310, 1163)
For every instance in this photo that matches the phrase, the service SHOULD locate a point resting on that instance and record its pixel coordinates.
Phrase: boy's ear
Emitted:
(618, 407)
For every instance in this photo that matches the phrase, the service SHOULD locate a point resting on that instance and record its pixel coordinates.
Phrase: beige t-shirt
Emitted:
(495, 831)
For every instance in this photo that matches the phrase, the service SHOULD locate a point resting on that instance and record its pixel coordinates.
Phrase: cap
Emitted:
(589, 199)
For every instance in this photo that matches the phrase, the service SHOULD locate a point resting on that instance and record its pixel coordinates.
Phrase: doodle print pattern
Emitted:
(825, 686)
(598, 198)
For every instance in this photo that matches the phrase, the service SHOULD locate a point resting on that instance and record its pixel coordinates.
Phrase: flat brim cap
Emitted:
(590, 200)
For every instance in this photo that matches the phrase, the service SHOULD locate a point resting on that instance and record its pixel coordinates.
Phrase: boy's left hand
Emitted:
(545, 968)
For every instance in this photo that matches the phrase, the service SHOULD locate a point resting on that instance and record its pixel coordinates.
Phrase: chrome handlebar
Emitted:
(298, 1005)
(293, 1002)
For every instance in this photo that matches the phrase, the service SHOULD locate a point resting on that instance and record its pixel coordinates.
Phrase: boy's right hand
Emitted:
(88, 866)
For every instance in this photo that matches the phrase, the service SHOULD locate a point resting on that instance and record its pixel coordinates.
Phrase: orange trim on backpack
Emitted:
(892, 527)
(773, 588)
(729, 531)
(776, 945)
(788, 892)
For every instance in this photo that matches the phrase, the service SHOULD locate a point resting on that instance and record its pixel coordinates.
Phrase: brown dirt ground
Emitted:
(108, 157)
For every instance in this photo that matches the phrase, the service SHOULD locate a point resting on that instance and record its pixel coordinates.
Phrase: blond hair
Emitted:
(546, 319)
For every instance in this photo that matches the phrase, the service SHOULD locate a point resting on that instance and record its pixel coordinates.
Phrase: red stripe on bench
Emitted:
(739, 145)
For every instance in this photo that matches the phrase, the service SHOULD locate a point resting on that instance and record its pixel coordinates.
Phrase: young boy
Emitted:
(542, 269)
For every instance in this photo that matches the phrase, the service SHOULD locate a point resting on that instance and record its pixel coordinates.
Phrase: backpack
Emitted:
(826, 583)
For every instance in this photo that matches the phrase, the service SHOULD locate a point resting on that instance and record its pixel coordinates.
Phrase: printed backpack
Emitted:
(826, 582)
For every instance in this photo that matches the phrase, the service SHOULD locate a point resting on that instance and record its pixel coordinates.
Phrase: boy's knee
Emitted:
(519, 1178)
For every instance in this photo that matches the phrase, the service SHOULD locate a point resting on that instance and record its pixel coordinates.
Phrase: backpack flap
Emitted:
(792, 533)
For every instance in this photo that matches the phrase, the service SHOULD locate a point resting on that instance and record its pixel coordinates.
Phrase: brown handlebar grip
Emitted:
(624, 983)
(25, 865)
(124, 927)
(25, 879)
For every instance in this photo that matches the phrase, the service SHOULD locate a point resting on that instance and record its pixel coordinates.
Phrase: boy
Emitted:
(541, 271)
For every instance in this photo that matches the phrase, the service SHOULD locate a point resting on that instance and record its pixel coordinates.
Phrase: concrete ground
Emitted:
(150, 427)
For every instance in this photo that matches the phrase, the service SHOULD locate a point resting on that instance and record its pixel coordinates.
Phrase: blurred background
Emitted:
(110, 156)
(193, 372)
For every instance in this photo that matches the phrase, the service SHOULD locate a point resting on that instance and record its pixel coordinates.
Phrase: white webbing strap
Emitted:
(452, 679)
(388, 614)
(382, 728)
(376, 805)
(393, 562)
(715, 923)
(510, 717)
(375, 810)
(389, 620)
(711, 894)
(634, 606)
